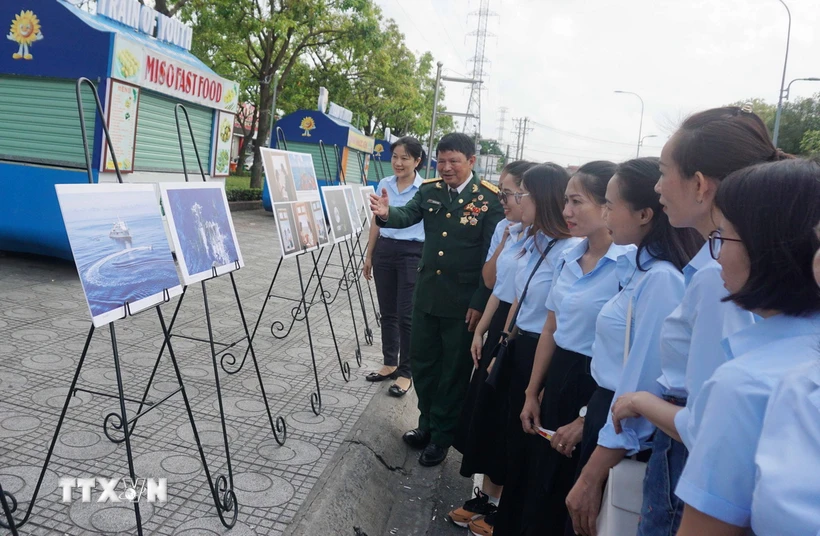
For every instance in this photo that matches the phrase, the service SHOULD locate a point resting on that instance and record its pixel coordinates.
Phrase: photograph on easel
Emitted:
(321, 225)
(201, 227)
(120, 247)
(304, 176)
(364, 196)
(306, 226)
(278, 175)
(353, 209)
(338, 212)
(286, 227)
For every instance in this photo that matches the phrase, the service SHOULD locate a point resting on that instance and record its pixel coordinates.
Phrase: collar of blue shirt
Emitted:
(627, 265)
(702, 259)
(573, 255)
(775, 327)
(394, 182)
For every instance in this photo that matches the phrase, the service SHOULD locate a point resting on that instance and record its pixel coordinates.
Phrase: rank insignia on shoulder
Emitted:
(475, 188)
(490, 186)
(430, 181)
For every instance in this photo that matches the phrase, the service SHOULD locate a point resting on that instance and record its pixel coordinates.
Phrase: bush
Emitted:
(244, 194)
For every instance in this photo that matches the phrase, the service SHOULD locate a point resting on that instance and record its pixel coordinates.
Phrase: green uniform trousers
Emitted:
(441, 362)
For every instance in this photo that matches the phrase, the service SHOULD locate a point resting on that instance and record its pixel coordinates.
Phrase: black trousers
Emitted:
(395, 268)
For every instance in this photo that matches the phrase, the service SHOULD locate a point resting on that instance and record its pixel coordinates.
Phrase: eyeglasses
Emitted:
(716, 243)
(502, 196)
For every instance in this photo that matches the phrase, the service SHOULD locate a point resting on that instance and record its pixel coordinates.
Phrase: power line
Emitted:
(581, 136)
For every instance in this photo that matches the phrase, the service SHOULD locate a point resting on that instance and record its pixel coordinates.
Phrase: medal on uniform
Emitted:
(464, 220)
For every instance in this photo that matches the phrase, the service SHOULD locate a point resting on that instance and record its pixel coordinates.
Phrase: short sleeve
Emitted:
(719, 476)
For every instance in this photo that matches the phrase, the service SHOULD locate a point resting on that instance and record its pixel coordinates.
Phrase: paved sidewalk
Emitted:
(43, 324)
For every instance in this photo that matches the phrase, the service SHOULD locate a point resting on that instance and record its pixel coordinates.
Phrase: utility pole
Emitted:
(501, 121)
(518, 123)
(524, 131)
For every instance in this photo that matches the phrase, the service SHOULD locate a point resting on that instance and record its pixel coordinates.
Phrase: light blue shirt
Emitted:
(786, 500)
(498, 234)
(533, 311)
(719, 477)
(654, 295)
(691, 335)
(399, 199)
(506, 263)
(577, 298)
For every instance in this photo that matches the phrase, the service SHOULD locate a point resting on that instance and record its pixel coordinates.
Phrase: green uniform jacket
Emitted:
(456, 239)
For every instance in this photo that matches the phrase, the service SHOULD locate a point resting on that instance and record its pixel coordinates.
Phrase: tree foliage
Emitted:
(797, 118)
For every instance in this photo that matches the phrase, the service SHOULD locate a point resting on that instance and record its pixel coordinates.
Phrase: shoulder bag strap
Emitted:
(527, 286)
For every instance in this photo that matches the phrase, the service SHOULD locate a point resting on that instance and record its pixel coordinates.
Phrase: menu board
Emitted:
(123, 103)
(222, 153)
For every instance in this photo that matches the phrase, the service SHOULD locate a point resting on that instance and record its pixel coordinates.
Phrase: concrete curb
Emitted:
(374, 484)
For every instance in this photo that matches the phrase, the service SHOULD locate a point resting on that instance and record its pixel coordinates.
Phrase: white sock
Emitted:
(494, 500)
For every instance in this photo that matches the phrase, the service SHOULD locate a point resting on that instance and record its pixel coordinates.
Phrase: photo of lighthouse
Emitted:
(201, 229)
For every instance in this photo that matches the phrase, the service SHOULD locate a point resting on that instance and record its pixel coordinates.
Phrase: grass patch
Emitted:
(235, 182)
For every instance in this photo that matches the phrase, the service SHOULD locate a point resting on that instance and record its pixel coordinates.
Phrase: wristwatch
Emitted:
(582, 412)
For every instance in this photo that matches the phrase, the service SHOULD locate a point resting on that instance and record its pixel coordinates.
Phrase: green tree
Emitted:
(796, 119)
(810, 144)
(251, 40)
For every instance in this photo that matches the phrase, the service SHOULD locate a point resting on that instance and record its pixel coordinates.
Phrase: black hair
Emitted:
(546, 184)
(636, 184)
(719, 141)
(774, 208)
(517, 169)
(456, 141)
(594, 176)
(413, 148)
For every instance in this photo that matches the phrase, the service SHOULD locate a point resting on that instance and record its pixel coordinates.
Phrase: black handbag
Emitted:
(503, 349)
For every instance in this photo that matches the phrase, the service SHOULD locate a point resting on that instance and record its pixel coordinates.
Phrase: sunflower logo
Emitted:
(25, 30)
(378, 150)
(307, 125)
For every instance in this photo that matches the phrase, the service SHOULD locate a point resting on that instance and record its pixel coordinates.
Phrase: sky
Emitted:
(559, 62)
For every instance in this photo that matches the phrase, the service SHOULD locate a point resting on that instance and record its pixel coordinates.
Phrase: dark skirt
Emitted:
(484, 413)
(539, 478)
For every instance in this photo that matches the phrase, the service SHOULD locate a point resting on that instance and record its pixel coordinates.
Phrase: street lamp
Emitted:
(640, 125)
(789, 87)
(783, 79)
(641, 143)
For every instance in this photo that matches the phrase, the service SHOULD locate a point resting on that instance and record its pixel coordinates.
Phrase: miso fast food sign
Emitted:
(148, 68)
(148, 21)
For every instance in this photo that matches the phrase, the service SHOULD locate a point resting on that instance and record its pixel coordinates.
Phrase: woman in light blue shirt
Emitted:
(787, 487)
(651, 287)
(481, 453)
(766, 265)
(584, 281)
(393, 257)
(708, 146)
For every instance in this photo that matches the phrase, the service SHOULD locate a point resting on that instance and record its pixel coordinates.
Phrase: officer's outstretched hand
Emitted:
(380, 205)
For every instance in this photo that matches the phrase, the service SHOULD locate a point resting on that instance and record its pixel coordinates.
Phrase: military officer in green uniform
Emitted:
(459, 213)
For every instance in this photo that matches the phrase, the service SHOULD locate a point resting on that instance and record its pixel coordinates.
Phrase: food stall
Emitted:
(141, 63)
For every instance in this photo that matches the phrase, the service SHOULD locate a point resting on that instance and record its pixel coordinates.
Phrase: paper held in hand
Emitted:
(543, 432)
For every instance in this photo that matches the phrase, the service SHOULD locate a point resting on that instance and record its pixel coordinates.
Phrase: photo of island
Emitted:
(202, 230)
(304, 175)
(120, 247)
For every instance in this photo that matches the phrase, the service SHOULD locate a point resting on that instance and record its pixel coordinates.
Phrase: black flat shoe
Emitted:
(397, 391)
(433, 455)
(417, 438)
(376, 377)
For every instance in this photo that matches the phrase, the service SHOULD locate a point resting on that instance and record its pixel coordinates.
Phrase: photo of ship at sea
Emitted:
(201, 228)
(120, 247)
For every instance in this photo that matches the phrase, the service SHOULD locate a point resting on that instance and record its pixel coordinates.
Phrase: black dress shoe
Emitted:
(397, 391)
(433, 455)
(376, 377)
(417, 438)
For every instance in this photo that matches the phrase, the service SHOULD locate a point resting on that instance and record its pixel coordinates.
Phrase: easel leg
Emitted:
(227, 502)
(123, 422)
(56, 434)
(280, 426)
(343, 366)
(315, 398)
(8, 511)
(368, 333)
(346, 282)
(223, 486)
(376, 314)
